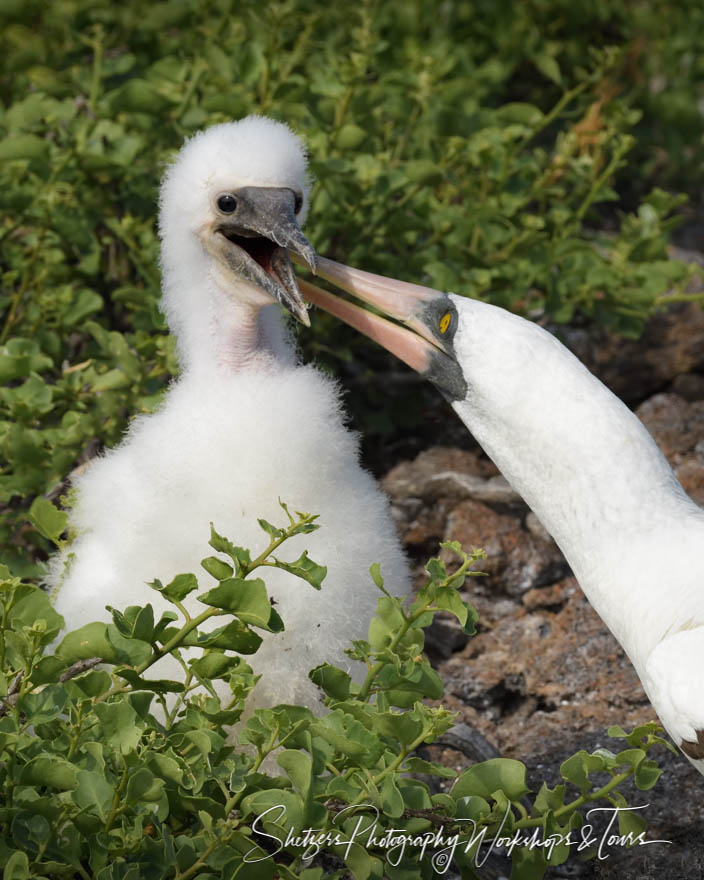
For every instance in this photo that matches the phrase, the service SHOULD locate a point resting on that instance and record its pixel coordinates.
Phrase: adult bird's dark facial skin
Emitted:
(253, 230)
(428, 320)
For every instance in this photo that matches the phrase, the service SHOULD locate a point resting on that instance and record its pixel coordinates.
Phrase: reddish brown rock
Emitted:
(677, 425)
(517, 560)
(691, 474)
(689, 385)
(672, 344)
(534, 681)
(551, 597)
(452, 474)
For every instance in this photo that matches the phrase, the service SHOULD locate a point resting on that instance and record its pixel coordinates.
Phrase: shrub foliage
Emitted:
(109, 774)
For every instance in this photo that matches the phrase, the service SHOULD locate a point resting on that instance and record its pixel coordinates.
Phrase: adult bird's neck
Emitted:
(581, 460)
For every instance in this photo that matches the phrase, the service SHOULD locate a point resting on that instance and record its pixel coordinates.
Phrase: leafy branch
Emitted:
(131, 787)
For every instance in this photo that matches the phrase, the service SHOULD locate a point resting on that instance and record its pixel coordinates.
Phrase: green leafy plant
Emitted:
(108, 774)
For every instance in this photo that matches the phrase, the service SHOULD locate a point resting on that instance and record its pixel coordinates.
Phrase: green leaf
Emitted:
(247, 599)
(525, 114)
(217, 568)
(16, 867)
(236, 636)
(273, 532)
(349, 737)
(357, 860)
(111, 380)
(277, 810)
(299, 769)
(94, 683)
(305, 568)
(528, 864)
(423, 171)
(122, 728)
(402, 726)
(137, 622)
(631, 822)
(305, 525)
(450, 600)
(375, 572)
(404, 688)
(44, 705)
(332, 680)
(47, 670)
(350, 136)
(19, 357)
(383, 626)
(31, 607)
(436, 569)
(577, 768)
(167, 767)
(214, 665)
(177, 589)
(49, 770)
(93, 793)
(23, 146)
(47, 519)
(418, 765)
(105, 641)
(550, 798)
(391, 799)
(496, 774)
(157, 686)
(548, 66)
(86, 302)
(238, 555)
(646, 775)
(142, 785)
(138, 96)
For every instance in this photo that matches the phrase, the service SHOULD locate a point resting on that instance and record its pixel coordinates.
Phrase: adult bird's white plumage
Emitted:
(243, 425)
(581, 460)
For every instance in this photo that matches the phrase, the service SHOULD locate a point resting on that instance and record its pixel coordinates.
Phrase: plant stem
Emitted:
(116, 801)
(407, 624)
(578, 802)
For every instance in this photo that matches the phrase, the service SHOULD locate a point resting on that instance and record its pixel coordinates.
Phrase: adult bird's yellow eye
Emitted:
(445, 322)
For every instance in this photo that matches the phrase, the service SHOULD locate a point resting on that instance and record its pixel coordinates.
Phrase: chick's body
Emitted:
(243, 426)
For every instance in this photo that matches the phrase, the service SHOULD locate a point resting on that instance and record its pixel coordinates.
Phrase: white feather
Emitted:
(227, 443)
(599, 484)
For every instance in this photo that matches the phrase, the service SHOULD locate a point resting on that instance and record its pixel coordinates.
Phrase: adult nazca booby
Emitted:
(242, 426)
(581, 460)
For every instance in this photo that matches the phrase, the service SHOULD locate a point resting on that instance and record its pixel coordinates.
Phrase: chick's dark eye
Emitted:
(227, 203)
(298, 203)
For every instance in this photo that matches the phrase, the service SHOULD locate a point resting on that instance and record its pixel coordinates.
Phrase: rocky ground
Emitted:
(543, 677)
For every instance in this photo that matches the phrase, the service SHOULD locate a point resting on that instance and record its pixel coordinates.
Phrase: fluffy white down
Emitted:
(242, 427)
(224, 453)
(254, 151)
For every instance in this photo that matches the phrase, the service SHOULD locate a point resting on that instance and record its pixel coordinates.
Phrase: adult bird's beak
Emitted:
(261, 230)
(425, 343)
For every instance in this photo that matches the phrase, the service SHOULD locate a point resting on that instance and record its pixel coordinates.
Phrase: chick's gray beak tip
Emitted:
(302, 316)
(312, 260)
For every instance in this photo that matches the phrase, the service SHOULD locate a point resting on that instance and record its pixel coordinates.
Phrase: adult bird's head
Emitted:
(231, 209)
(428, 321)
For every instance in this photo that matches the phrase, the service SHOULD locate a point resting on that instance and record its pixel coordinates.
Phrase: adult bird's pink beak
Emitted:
(428, 320)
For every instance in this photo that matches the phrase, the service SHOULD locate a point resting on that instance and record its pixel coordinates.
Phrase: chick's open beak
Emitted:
(429, 319)
(261, 230)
